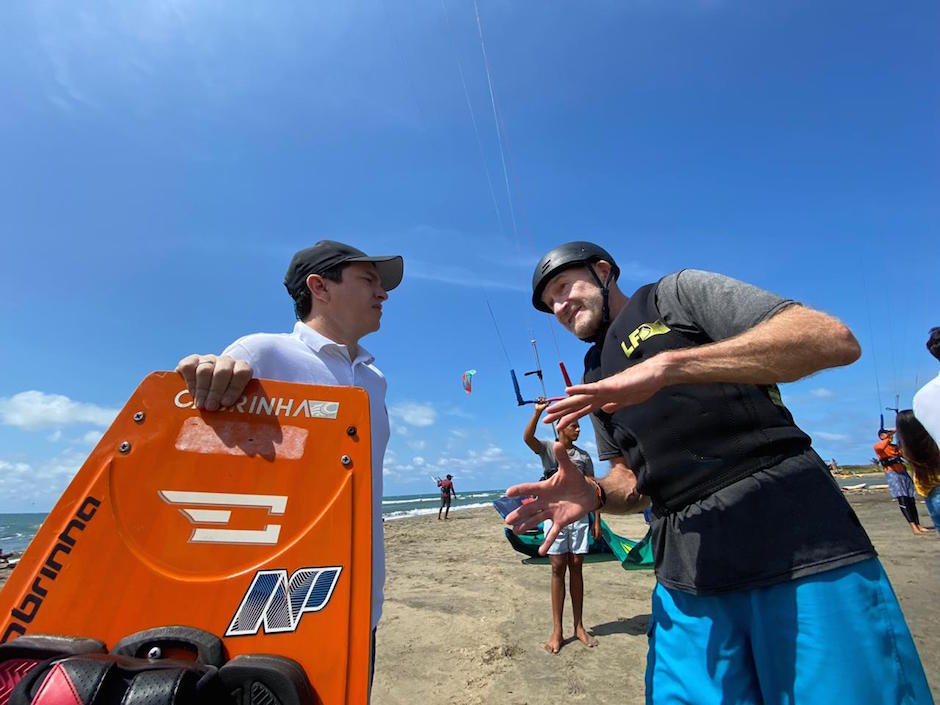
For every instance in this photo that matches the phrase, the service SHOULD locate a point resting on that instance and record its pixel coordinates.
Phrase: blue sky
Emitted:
(163, 160)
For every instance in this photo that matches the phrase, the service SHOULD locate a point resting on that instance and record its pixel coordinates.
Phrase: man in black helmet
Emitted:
(765, 575)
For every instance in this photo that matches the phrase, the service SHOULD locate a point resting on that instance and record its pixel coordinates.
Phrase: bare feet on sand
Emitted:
(582, 634)
(553, 645)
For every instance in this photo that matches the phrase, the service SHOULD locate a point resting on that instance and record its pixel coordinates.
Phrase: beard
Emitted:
(586, 328)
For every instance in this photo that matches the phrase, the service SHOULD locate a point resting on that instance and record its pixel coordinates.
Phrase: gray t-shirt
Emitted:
(695, 301)
(581, 459)
(783, 522)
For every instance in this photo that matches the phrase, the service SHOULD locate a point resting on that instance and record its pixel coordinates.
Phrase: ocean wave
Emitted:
(410, 501)
(391, 516)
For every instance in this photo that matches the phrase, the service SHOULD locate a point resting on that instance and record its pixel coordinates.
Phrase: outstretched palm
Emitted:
(565, 497)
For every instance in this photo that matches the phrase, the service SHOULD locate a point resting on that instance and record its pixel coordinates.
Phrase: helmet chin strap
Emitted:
(605, 318)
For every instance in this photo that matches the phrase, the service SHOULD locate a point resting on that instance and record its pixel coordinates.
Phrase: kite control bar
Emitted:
(538, 373)
(564, 373)
(515, 385)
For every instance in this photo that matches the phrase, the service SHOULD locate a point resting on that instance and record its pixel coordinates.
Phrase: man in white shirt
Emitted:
(927, 400)
(338, 292)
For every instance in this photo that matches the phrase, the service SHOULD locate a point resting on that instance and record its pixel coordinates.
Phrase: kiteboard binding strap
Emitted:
(261, 679)
(22, 655)
(109, 679)
(176, 642)
(173, 665)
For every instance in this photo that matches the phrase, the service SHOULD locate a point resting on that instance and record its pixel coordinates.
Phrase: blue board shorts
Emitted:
(837, 636)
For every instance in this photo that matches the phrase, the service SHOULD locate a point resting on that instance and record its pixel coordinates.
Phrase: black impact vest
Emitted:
(688, 440)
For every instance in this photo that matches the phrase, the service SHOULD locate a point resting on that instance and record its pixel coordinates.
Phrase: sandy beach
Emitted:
(466, 617)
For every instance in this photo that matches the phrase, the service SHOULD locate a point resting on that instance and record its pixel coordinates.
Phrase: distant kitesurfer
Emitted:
(899, 482)
(571, 545)
(338, 293)
(765, 576)
(447, 489)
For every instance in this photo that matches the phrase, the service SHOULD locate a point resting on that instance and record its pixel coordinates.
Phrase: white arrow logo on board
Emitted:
(197, 513)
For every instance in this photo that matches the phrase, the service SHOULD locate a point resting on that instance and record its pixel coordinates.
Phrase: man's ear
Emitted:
(317, 286)
(602, 267)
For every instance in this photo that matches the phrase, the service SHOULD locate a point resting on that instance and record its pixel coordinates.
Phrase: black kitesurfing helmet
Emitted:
(572, 254)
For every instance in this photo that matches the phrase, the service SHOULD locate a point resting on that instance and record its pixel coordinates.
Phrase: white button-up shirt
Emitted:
(926, 407)
(307, 357)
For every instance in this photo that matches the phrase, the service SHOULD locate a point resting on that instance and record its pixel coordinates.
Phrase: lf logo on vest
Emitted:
(277, 602)
(643, 332)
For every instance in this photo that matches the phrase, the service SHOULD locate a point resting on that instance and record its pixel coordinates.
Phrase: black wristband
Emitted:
(601, 494)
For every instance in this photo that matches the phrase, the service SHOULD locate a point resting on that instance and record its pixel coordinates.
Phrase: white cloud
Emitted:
(34, 410)
(822, 393)
(92, 437)
(460, 276)
(417, 444)
(459, 413)
(826, 436)
(493, 452)
(472, 461)
(30, 486)
(55, 436)
(413, 413)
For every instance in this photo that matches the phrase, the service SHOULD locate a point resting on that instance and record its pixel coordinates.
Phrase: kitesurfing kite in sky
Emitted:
(467, 380)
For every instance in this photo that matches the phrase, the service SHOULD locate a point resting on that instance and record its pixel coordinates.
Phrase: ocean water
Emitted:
(17, 530)
(421, 504)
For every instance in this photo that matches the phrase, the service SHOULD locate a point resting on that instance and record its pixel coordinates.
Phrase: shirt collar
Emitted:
(319, 343)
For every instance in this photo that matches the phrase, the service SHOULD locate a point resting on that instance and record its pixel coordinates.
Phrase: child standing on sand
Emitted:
(569, 548)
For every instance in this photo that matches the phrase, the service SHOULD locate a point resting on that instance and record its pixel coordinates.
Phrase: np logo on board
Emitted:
(276, 602)
(644, 331)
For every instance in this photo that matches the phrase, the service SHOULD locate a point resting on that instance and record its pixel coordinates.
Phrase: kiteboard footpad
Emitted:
(56, 670)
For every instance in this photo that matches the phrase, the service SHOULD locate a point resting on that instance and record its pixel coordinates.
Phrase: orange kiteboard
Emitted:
(252, 523)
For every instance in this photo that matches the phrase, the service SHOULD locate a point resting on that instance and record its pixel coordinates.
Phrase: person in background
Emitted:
(447, 489)
(899, 482)
(570, 546)
(921, 451)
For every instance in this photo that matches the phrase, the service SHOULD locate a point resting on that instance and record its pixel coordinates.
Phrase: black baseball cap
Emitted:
(933, 341)
(326, 254)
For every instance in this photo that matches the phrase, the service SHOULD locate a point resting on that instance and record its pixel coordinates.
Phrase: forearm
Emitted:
(795, 343)
(622, 494)
(528, 436)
